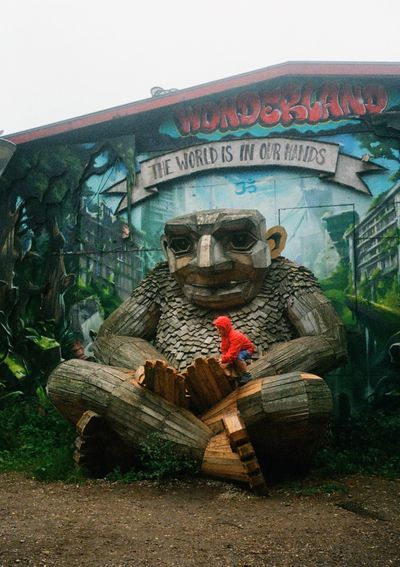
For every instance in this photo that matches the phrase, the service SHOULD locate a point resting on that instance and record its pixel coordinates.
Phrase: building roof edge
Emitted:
(288, 69)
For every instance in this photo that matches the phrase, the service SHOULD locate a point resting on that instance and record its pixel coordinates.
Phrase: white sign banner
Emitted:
(282, 152)
(240, 153)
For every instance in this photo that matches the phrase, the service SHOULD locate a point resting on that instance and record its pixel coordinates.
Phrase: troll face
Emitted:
(219, 257)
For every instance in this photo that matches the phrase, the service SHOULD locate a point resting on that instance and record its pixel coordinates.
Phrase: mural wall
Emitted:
(80, 224)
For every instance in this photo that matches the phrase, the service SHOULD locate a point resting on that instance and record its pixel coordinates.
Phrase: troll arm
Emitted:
(124, 338)
(320, 346)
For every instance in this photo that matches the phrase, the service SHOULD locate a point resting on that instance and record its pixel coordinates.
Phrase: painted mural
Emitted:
(80, 224)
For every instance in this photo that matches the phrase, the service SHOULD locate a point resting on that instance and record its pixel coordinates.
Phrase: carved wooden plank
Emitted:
(245, 451)
(251, 466)
(238, 437)
(208, 380)
(257, 482)
(221, 462)
(225, 385)
(97, 448)
(207, 383)
(198, 383)
(160, 379)
(149, 375)
(181, 396)
(164, 381)
(196, 398)
(235, 429)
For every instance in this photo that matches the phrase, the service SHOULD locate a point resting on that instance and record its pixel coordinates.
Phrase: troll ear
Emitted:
(276, 238)
(164, 245)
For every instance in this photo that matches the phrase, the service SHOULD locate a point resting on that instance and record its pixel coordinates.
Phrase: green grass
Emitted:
(300, 489)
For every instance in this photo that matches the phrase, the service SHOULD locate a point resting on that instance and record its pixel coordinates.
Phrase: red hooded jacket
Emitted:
(232, 342)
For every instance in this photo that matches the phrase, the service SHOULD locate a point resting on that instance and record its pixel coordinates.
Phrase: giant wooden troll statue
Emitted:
(158, 370)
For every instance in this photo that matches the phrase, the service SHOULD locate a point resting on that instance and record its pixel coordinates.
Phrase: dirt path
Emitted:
(198, 523)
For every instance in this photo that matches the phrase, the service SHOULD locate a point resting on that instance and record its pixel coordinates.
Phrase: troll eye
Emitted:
(180, 244)
(242, 241)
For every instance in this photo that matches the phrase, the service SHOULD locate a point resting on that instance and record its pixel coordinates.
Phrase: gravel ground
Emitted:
(199, 523)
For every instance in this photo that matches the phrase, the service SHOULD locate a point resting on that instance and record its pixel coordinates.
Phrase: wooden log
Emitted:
(285, 416)
(287, 420)
(308, 353)
(98, 449)
(213, 417)
(88, 424)
(128, 409)
(125, 352)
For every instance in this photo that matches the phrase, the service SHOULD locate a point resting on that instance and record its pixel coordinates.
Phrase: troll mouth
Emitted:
(216, 286)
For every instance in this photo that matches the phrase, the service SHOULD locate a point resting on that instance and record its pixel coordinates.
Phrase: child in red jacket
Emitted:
(236, 348)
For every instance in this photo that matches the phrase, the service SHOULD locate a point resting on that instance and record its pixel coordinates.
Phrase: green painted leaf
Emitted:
(16, 366)
(44, 343)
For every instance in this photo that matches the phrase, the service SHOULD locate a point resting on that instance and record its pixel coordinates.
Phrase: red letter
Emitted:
(330, 102)
(209, 117)
(290, 109)
(187, 120)
(315, 108)
(269, 116)
(248, 108)
(351, 100)
(229, 118)
(375, 97)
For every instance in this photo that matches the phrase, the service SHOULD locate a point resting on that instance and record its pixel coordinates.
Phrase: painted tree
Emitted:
(40, 196)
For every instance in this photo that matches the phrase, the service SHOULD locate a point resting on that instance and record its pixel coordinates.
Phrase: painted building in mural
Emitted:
(314, 147)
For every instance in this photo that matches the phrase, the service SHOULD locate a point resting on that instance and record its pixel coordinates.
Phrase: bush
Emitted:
(36, 439)
(370, 446)
(157, 458)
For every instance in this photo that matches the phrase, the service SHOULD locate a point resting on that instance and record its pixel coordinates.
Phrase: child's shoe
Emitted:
(246, 377)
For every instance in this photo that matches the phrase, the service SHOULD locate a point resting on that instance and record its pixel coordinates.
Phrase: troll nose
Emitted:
(210, 254)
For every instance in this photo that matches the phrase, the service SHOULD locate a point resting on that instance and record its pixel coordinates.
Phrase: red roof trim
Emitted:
(191, 93)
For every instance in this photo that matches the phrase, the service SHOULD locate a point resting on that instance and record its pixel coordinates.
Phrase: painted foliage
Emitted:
(81, 223)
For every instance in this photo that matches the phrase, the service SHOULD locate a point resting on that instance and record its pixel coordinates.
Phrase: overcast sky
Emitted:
(65, 58)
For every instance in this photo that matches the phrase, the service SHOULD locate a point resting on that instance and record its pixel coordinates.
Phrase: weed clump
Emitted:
(156, 458)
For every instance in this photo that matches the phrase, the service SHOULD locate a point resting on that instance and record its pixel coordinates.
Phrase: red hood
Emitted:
(224, 323)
